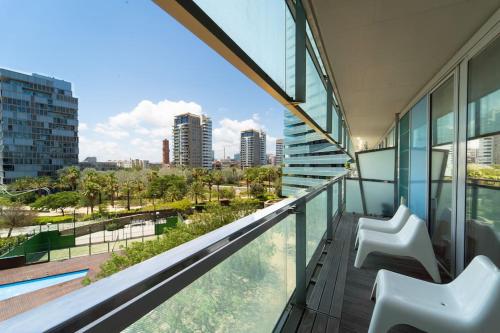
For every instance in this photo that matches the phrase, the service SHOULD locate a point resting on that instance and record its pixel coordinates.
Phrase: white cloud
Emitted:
(227, 135)
(82, 127)
(135, 134)
(139, 133)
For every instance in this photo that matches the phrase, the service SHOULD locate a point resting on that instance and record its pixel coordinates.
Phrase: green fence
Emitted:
(170, 223)
(42, 242)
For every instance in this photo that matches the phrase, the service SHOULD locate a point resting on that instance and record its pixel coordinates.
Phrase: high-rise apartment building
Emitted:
(279, 152)
(206, 145)
(263, 152)
(250, 148)
(166, 152)
(192, 141)
(39, 125)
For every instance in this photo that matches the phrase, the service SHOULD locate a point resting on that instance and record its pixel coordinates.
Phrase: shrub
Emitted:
(53, 219)
(7, 243)
(213, 217)
(112, 226)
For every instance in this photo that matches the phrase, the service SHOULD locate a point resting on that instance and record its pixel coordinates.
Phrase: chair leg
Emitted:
(431, 267)
(356, 242)
(373, 295)
(382, 320)
(361, 256)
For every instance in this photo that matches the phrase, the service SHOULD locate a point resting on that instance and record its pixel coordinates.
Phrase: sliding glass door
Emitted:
(442, 170)
(482, 211)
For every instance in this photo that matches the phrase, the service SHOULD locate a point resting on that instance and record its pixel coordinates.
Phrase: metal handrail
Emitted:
(114, 303)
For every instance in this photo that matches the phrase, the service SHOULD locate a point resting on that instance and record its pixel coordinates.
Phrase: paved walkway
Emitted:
(12, 306)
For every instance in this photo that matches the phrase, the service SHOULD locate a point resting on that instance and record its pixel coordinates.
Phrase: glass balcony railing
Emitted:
(241, 275)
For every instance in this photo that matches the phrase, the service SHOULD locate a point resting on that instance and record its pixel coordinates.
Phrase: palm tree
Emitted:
(196, 190)
(208, 179)
(218, 179)
(69, 176)
(111, 187)
(250, 175)
(90, 188)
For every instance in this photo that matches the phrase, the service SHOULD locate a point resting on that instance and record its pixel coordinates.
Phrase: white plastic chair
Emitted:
(411, 241)
(470, 303)
(395, 224)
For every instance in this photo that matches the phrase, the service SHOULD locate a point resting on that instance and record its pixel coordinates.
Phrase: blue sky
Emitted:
(133, 67)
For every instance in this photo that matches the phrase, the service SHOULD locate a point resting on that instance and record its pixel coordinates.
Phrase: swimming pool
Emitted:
(22, 287)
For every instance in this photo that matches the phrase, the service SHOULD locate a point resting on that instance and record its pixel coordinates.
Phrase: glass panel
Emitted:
(316, 223)
(315, 105)
(257, 26)
(379, 198)
(247, 292)
(377, 164)
(290, 54)
(442, 113)
(353, 197)
(404, 157)
(418, 159)
(483, 156)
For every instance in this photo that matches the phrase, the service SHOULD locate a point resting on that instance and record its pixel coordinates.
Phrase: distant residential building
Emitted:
(485, 150)
(250, 149)
(192, 141)
(263, 155)
(39, 125)
(133, 163)
(206, 144)
(166, 152)
(271, 159)
(279, 152)
(236, 157)
(91, 162)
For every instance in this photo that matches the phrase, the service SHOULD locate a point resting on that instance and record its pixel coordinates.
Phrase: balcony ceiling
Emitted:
(382, 52)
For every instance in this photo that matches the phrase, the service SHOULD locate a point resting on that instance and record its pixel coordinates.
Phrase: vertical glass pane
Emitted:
(315, 105)
(483, 156)
(379, 198)
(377, 164)
(245, 293)
(442, 114)
(289, 54)
(404, 156)
(418, 159)
(316, 223)
(257, 26)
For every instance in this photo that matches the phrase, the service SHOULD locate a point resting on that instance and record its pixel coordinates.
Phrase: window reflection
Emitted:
(483, 156)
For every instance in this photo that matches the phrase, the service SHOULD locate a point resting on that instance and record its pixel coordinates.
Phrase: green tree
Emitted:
(90, 187)
(218, 179)
(126, 183)
(14, 216)
(208, 179)
(196, 190)
(111, 187)
(69, 177)
(57, 201)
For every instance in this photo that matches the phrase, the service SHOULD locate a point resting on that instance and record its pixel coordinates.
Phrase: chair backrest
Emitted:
(401, 216)
(477, 290)
(414, 229)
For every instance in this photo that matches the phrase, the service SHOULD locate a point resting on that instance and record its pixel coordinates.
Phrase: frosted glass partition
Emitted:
(316, 223)
(377, 164)
(379, 198)
(258, 27)
(353, 197)
(247, 292)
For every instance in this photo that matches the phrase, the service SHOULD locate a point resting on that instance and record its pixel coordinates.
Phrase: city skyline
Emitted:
(130, 81)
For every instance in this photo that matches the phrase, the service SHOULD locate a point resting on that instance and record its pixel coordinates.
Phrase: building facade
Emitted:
(250, 148)
(263, 149)
(279, 152)
(39, 126)
(192, 141)
(206, 142)
(166, 152)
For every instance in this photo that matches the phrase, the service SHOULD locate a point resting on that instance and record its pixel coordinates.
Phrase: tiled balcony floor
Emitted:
(338, 295)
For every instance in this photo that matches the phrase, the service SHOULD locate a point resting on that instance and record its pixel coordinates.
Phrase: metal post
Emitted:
(329, 212)
(49, 250)
(300, 53)
(300, 256)
(69, 252)
(90, 241)
(340, 195)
